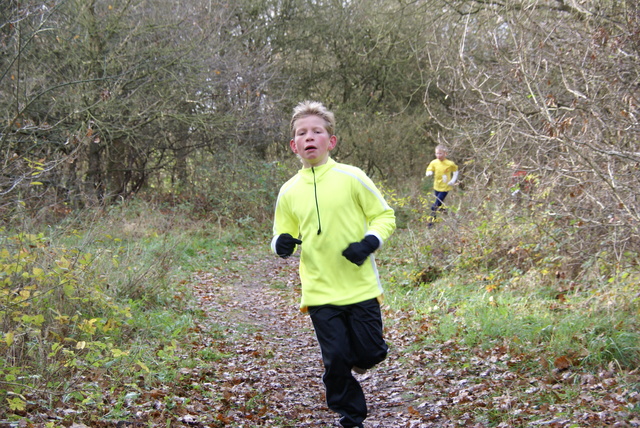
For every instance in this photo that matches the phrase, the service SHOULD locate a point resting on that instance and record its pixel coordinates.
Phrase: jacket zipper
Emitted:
(315, 192)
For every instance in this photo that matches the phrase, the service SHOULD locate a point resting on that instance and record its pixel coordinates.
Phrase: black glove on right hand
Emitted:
(286, 244)
(357, 252)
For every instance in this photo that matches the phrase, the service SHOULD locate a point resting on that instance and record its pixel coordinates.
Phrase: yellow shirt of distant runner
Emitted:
(440, 168)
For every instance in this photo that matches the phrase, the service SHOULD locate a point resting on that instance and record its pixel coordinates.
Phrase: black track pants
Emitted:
(348, 336)
(438, 202)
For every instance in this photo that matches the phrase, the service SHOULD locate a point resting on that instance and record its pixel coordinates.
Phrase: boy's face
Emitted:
(311, 141)
(441, 155)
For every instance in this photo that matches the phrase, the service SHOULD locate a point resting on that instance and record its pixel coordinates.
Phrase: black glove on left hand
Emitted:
(286, 245)
(357, 252)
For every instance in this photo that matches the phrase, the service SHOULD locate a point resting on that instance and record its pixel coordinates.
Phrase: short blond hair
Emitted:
(313, 108)
(442, 148)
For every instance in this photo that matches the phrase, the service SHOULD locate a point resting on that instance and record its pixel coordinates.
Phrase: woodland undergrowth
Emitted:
(102, 300)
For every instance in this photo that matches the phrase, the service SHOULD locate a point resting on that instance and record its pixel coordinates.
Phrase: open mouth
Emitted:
(309, 148)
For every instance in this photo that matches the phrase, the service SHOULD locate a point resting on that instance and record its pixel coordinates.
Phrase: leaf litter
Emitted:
(258, 364)
(273, 374)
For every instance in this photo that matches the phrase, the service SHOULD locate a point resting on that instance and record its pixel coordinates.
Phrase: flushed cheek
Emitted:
(297, 148)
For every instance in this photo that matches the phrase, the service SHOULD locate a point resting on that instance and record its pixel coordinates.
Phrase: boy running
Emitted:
(339, 218)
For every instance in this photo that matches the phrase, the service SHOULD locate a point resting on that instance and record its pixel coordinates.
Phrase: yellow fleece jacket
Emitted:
(328, 207)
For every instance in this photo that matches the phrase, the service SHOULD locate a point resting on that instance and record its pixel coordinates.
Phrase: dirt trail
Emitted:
(274, 376)
(266, 369)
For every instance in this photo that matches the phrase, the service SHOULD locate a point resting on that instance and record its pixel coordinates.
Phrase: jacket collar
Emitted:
(319, 171)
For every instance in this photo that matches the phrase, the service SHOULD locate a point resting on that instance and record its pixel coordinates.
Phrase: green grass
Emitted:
(481, 308)
(106, 294)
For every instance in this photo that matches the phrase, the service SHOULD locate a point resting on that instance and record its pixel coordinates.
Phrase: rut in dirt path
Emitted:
(273, 369)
